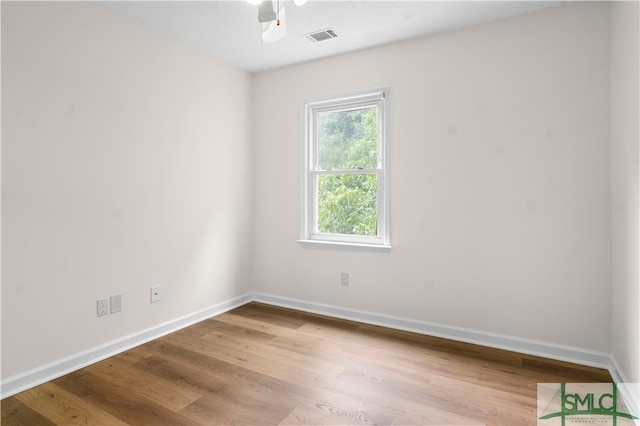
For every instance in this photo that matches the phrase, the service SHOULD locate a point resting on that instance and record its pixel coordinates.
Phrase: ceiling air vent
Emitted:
(322, 35)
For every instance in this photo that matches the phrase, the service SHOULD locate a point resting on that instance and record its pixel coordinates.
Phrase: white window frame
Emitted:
(308, 223)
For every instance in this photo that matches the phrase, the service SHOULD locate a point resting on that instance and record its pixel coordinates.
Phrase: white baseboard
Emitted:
(630, 391)
(498, 341)
(59, 368)
(616, 372)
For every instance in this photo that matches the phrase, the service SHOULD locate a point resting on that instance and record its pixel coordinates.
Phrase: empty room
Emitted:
(320, 212)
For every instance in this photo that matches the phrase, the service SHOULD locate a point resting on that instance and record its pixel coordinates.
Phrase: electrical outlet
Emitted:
(116, 303)
(103, 307)
(155, 294)
(344, 278)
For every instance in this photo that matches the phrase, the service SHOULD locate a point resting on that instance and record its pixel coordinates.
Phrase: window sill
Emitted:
(344, 246)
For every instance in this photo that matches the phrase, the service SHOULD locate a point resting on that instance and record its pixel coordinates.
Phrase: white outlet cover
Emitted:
(155, 294)
(102, 307)
(344, 278)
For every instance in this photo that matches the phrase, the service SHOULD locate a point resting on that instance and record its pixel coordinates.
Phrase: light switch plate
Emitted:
(116, 303)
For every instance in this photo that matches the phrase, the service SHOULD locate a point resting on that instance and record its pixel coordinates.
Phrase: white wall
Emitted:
(125, 164)
(625, 136)
(500, 180)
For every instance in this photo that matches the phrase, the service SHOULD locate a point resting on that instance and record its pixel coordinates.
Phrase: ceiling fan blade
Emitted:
(275, 30)
(266, 12)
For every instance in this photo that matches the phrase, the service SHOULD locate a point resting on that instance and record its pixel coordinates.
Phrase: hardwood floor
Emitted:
(263, 365)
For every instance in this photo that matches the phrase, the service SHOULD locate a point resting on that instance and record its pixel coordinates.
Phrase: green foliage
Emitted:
(348, 140)
(347, 203)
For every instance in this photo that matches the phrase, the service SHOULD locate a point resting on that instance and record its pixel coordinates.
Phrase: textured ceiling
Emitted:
(230, 30)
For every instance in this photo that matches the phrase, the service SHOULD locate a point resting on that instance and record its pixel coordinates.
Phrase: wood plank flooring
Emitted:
(262, 365)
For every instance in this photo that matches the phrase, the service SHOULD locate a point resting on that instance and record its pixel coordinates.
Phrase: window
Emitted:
(345, 182)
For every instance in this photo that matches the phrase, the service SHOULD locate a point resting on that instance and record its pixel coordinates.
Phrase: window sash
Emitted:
(315, 233)
(314, 110)
(316, 133)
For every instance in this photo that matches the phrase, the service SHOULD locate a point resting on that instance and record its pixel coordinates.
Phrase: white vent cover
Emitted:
(322, 35)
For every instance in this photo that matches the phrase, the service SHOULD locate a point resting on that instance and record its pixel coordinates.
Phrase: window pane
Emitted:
(348, 139)
(347, 204)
